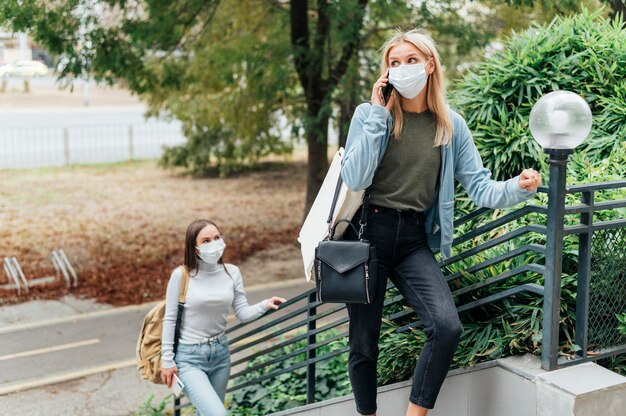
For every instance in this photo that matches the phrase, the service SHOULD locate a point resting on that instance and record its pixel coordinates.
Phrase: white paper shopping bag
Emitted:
(315, 227)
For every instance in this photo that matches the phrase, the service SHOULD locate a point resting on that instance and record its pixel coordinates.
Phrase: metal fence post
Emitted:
(311, 339)
(66, 145)
(584, 275)
(176, 407)
(554, 257)
(131, 150)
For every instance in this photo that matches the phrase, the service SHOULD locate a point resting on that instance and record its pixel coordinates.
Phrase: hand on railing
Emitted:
(274, 301)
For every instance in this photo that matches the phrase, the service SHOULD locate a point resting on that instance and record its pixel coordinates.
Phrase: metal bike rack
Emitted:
(63, 266)
(15, 275)
(17, 280)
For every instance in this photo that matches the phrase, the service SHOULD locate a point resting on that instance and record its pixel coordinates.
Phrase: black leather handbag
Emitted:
(346, 271)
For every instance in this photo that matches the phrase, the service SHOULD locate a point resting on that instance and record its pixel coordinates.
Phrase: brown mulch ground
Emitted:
(122, 226)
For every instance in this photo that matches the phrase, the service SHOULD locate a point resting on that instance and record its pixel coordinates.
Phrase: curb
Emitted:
(122, 309)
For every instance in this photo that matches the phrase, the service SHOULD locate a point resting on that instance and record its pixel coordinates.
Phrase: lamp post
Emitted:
(559, 122)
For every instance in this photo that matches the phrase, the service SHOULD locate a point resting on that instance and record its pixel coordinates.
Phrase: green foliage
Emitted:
(113, 39)
(227, 69)
(232, 94)
(289, 390)
(616, 363)
(621, 317)
(583, 53)
(149, 409)
(209, 149)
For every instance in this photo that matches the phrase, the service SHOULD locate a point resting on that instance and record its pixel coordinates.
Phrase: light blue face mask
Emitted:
(211, 252)
(408, 80)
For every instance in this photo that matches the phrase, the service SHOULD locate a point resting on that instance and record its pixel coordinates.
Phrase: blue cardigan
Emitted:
(367, 139)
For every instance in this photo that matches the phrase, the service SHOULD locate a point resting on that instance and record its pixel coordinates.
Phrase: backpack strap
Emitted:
(184, 284)
(182, 294)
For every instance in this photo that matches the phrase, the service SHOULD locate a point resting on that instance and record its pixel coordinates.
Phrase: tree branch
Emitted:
(348, 50)
(300, 40)
(186, 39)
(323, 27)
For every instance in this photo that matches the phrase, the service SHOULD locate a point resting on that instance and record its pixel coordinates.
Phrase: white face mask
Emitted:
(409, 80)
(211, 252)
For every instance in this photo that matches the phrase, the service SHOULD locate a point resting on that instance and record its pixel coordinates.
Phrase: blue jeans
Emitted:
(404, 257)
(204, 370)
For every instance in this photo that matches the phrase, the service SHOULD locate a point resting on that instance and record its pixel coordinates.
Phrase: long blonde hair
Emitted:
(435, 88)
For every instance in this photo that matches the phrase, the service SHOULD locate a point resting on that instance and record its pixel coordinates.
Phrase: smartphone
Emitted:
(387, 91)
(177, 386)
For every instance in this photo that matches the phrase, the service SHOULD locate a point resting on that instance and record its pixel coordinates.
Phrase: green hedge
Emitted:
(584, 53)
(289, 390)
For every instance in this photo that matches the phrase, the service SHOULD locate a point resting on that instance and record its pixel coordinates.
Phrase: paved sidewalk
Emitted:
(39, 310)
(102, 375)
(112, 393)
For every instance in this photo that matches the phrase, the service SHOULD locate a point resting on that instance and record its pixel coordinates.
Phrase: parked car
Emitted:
(25, 68)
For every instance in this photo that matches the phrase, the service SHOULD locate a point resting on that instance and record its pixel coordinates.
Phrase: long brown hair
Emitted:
(191, 258)
(435, 88)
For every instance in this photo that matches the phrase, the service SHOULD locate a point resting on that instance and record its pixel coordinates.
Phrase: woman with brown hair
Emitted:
(202, 359)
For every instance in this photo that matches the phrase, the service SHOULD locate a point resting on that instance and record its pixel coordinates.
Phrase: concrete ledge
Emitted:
(514, 386)
(582, 390)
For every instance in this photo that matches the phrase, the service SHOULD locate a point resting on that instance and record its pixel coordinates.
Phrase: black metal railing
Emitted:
(516, 243)
(601, 289)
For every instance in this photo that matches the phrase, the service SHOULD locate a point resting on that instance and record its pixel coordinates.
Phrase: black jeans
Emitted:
(406, 258)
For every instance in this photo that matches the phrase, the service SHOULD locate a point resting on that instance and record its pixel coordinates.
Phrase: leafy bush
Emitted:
(621, 317)
(288, 390)
(215, 148)
(149, 409)
(583, 53)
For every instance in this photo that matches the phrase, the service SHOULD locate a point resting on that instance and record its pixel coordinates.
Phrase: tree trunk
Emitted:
(311, 56)
(317, 143)
(349, 98)
(346, 109)
(619, 8)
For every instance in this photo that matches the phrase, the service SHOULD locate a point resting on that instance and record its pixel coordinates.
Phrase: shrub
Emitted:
(583, 53)
(210, 149)
(150, 409)
(288, 390)
(621, 317)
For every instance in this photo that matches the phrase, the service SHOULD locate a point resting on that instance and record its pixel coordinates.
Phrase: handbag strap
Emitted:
(182, 297)
(335, 197)
(366, 202)
(362, 220)
(364, 209)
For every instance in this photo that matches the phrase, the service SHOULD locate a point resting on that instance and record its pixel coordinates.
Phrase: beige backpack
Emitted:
(149, 343)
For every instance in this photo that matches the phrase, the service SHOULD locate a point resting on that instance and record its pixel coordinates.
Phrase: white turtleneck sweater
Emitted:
(210, 293)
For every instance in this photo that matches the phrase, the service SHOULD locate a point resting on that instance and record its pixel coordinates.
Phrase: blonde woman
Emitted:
(408, 151)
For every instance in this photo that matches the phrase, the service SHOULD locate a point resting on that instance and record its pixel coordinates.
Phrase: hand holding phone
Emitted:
(381, 92)
(387, 90)
(387, 93)
(177, 386)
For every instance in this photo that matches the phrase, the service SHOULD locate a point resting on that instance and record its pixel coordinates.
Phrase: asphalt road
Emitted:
(68, 117)
(48, 352)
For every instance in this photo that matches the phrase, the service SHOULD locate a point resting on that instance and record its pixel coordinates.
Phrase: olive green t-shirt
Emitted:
(407, 175)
